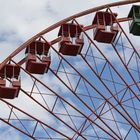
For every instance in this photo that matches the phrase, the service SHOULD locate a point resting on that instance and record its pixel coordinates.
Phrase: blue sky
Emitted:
(25, 18)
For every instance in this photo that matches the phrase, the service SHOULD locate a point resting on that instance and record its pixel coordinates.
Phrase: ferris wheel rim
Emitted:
(54, 26)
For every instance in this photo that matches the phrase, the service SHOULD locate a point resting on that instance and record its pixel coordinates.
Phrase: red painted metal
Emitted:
(16, 84)
(71, 44)
(65, 102)
(69, 48)
(10, 71)
(2, 82)
(34, 118)
(104, 17)
(35, 67)
(9, 92)
(34, 64)
(38, 47)
(131, 122)
(108, 61)
(12, 91)
(104, 36)
(134, 125)
(89, 11)
(102, 20)
(126, 35)
(70, 30)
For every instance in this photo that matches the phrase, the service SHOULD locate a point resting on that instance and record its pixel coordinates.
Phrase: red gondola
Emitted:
(33, 63)
(9, 92)
(35, 67)
(68, 31)
(69, 48)
(105, 32)
(12, 91)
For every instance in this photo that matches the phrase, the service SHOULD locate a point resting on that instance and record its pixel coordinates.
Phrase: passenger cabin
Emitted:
(72, 42)
(38, 60)
(11, 72)
(134, 24)
(105, 30)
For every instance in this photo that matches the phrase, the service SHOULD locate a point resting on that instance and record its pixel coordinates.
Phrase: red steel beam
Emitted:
(134, 125)
(30, 117)
(54, 26)
(65, 102)
(108, 61)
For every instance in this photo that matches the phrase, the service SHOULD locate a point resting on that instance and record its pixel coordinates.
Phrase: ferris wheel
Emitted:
(81, 83)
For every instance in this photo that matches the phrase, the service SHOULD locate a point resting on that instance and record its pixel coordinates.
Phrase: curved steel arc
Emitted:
(24, 45)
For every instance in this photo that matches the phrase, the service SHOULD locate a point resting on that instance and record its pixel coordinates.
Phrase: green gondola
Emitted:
(134, 25)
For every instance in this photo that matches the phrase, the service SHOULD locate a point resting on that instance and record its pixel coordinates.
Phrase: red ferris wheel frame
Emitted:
(78, 132)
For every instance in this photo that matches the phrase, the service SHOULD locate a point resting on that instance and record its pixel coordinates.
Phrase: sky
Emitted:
(22, 19)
